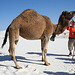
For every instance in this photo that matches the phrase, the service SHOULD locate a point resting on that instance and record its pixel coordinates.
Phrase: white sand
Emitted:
(28, 55)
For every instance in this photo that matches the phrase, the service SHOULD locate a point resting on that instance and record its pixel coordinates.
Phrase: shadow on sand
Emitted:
(58, 56)
(20, 59)
(8, 58)
(68, 60)
(48, 54)
(35, 61)
(58, 73)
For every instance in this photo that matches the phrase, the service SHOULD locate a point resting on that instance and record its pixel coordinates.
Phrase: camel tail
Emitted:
(5, 38)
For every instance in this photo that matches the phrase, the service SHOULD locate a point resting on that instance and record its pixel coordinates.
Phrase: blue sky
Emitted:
(10, 9)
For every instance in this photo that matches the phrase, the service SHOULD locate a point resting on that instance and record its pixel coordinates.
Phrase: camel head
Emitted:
(65, 17)
(73, 13)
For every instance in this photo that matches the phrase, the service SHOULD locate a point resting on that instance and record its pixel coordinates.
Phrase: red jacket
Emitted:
(71, 31)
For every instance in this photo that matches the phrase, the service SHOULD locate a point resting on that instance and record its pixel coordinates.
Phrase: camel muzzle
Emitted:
(72, 12)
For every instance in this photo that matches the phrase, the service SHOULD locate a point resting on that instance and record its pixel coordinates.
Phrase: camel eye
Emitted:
(70, 13)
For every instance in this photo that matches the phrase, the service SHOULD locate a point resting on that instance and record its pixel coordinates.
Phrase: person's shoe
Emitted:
(70, 54)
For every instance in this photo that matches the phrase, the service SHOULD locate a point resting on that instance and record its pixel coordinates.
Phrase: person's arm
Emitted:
(73, 29)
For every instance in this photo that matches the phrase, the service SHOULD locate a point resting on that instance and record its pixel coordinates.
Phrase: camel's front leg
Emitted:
(46, 62)
(44, 43)
(42, 55)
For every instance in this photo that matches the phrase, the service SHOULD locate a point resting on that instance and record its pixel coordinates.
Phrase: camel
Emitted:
(32, 26)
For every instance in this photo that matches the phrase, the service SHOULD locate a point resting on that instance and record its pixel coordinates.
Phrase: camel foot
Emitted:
(47, 64)
(18, 67)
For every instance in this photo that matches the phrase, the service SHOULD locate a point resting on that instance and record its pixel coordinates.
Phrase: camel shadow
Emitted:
(8, 58)
(48, 54)
(35, 61)
(20, 59)
(60, 57)
(58, 73)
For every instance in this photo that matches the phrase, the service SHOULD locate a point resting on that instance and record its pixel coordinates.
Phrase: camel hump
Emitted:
(29, 12)
(26, 16)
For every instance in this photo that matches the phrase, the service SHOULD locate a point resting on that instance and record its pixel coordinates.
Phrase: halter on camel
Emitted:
(54, 34)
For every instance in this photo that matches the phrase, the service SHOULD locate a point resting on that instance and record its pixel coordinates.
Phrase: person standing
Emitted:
(71, 41)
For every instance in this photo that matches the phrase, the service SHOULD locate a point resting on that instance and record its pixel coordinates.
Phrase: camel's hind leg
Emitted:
(44, 43)
(13, 39)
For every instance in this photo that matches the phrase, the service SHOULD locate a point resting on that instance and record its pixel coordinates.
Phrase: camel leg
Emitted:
(42, 49)
(42, 55)
(13, 39)
(44, 43)
(10, 53)
(9, 47)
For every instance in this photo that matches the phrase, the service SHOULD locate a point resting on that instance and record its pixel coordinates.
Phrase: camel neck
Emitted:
(60, 29)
